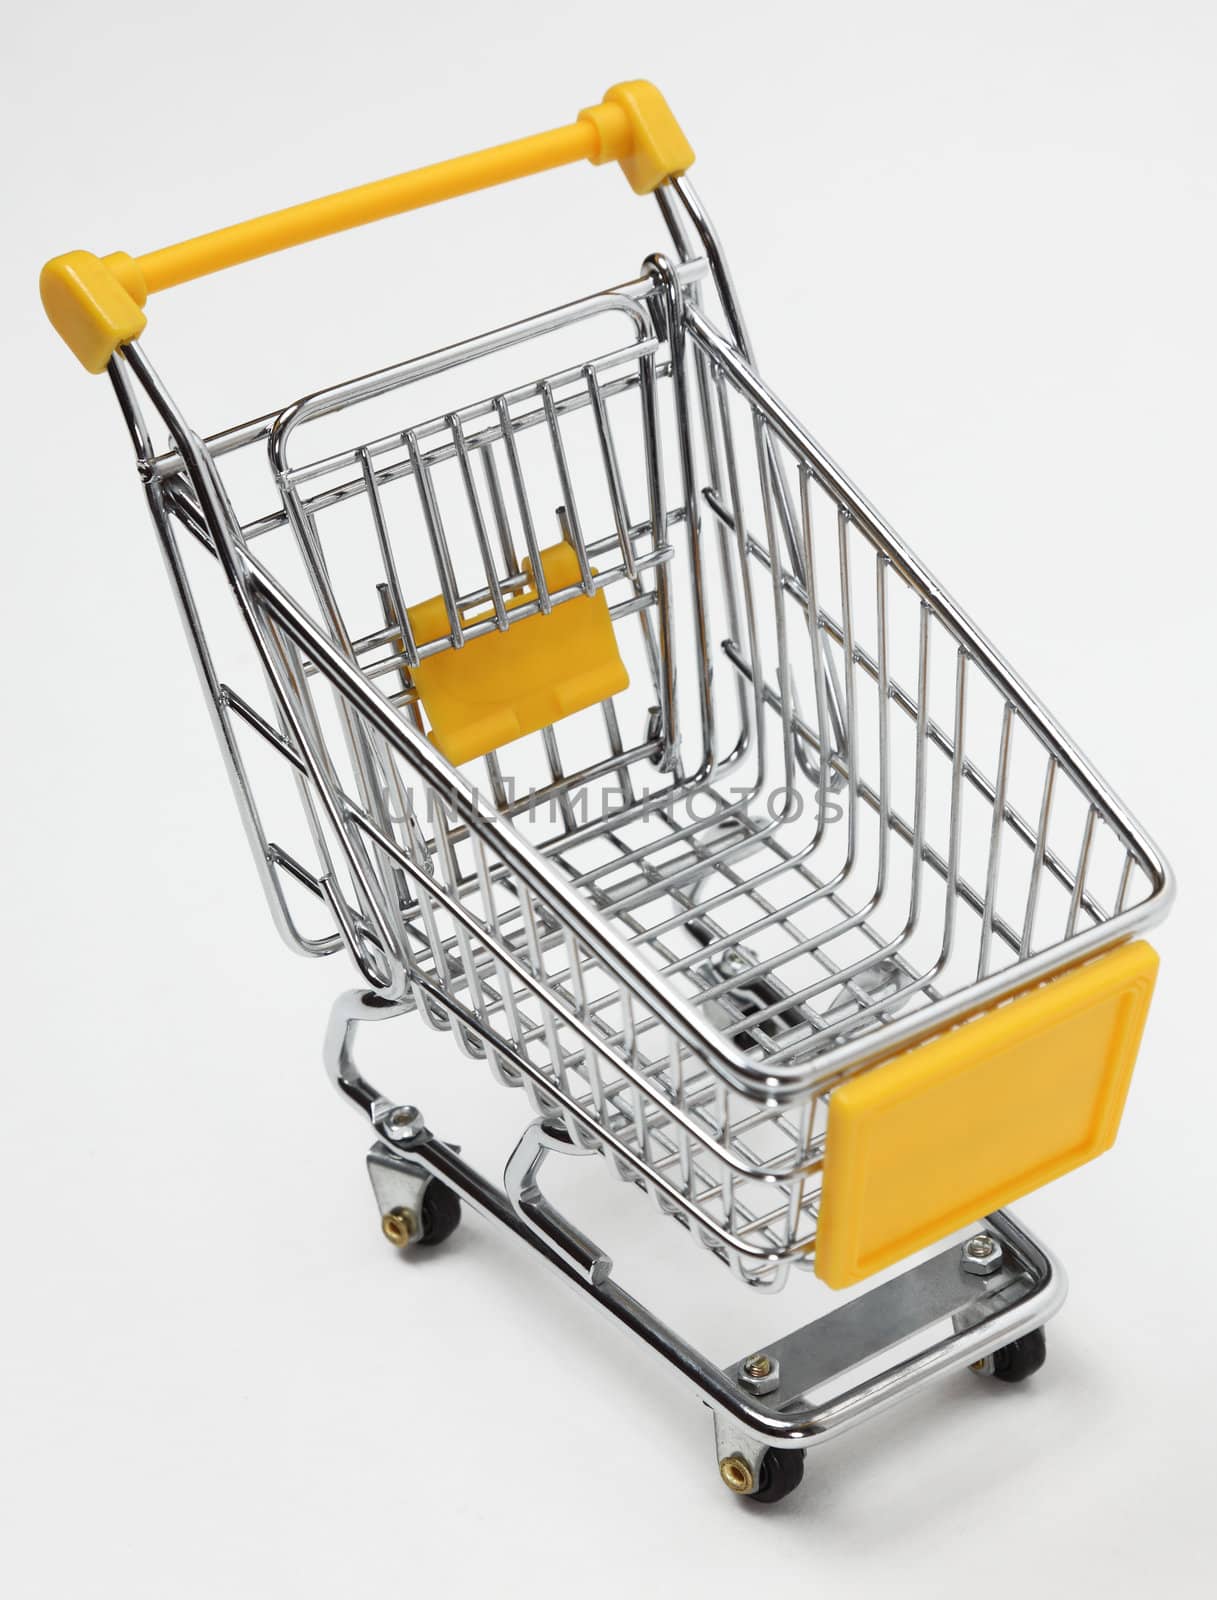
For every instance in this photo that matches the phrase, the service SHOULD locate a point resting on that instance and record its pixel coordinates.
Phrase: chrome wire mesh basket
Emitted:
(591, 710)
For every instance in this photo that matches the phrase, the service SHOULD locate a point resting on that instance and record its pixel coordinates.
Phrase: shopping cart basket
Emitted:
(603, 723)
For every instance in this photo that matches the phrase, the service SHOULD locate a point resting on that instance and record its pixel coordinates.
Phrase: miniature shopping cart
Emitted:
(568, 686)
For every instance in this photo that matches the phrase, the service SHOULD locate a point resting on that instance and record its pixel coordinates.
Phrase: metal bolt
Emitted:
(399, 1226)
(982, 1255)
(401, 1120)
(737, 1475)
(758, 1373)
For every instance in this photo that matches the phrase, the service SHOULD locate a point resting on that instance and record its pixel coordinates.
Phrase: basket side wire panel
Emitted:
(967, 847)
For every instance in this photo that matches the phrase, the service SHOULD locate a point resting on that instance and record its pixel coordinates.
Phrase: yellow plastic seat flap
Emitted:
(505, 684)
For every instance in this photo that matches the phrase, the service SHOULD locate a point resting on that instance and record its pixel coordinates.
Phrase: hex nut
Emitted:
(982, 1255)
(759, 1373)
(401, 1120)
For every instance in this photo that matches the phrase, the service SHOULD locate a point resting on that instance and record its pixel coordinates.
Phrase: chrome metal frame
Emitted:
(677, 992)
(939, 1294)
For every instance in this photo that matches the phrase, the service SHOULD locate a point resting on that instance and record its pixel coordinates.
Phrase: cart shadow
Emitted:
(926, 1462)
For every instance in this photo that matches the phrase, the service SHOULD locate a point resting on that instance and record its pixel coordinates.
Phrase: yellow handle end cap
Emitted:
(635, 127)
(94, 305)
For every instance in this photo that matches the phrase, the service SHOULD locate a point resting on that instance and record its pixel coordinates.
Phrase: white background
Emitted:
(976, 246)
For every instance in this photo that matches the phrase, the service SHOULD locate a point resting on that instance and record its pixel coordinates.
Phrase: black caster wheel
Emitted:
(441, 1211)
(781, 1473)
(1016, 1361)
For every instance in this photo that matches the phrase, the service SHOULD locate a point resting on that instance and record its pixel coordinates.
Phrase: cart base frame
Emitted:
(995, 1288)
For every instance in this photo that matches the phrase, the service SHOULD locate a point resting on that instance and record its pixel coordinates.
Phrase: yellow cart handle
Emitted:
(96, 303)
